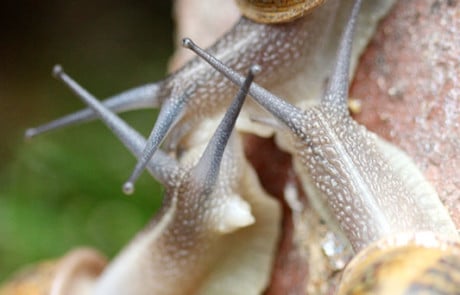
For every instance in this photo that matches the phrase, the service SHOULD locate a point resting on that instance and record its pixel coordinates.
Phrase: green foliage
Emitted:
(63, 190)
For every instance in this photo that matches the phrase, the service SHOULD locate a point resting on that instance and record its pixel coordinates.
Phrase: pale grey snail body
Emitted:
(373, 190)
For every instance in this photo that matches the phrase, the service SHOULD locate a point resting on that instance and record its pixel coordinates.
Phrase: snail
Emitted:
(372, 189)
(72, 274)
(213, 211)
(290, 53)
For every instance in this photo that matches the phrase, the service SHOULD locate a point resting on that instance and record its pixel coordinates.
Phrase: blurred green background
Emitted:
(63, 189)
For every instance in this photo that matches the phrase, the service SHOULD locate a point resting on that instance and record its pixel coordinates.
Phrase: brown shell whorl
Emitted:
(276, 11)
(405, 264)
(71, 274)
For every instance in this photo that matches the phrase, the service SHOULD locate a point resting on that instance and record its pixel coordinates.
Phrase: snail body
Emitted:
(405, 240)
(383, 210)
(349, 168)
(213, 211)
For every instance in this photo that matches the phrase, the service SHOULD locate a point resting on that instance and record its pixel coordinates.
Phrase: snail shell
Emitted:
(276, 11)
(420, 263)
(72, 274)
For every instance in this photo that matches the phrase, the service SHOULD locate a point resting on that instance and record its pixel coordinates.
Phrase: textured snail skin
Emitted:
(213, 211)
(353, 171)
(409, 85)
(189, 248)
(411, 98)
(420, 263)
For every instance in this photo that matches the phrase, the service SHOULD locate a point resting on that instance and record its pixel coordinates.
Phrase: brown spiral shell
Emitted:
(420, 263)
(69, 275)
(276, 11)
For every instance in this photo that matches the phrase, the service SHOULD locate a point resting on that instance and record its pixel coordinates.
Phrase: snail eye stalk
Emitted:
(161, 166)
(207, 170)
(146, 96)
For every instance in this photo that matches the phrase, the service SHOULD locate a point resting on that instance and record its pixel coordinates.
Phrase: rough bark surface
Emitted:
(409, 83)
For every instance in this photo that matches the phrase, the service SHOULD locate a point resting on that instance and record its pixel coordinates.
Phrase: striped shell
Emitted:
(276, 11)
(420, 263)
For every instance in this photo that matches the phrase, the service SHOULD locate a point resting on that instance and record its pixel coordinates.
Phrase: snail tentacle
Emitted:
(207, 169)
(169, 115)
(281, 108)
(336, 92)
(141, 97)
(161, 166)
